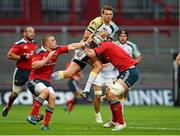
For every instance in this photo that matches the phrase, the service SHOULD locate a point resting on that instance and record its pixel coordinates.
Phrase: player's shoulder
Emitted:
(22, 41)
(114, 25)
(40, 50)
(131, 43)
(97, 21)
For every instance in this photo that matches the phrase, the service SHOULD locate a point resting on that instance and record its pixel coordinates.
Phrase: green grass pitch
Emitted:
(141, 120)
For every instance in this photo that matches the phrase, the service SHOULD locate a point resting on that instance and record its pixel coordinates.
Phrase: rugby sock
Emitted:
(113, 114)
(48, 115)
(58, 75)
(117, 109)
(12, 97)
(70, 104)
(92, 77)
(37, 104)
(122, 100)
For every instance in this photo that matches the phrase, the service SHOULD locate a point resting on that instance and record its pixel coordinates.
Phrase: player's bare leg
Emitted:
(6, 109)
(69, 72)
(49, 111)
(97, 67)
(32, 118)
(112, 94)
(97, 103)
(12, 97)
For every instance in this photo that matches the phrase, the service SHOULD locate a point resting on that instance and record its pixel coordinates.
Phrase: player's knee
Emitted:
(111, 96)
(98, 92)
(117, 89)
(53, 96)
(98, 65)
(16, 89)
(45, 92)
(98, 97)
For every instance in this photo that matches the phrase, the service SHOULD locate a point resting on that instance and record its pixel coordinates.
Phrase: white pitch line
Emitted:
(131, 127)
(155, 128)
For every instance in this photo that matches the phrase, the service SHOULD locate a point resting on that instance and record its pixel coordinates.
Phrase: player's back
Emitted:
(117, 56)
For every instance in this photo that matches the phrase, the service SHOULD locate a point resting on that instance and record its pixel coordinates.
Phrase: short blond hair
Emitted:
(106, 7)
(45, 38)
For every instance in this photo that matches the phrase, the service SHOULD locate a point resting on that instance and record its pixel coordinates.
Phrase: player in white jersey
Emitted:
(128, 46)
(105, 77)
(133, 51)
(102, 25)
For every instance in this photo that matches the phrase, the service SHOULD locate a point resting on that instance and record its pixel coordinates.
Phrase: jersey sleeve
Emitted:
(61, 50)
(136, 52)
(114, 28)
(94, 24)
(15, 49)
(100, 49)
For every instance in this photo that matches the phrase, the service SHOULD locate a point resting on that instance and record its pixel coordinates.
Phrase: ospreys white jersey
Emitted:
(130, 48)
(98, 26)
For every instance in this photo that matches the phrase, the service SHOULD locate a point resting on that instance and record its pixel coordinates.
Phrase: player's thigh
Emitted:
(36, 87)
(99, 81)
(72, 69)
(20, 77)
(129, 77)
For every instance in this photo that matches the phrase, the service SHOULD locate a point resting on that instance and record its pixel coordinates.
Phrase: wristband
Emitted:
(23, 57)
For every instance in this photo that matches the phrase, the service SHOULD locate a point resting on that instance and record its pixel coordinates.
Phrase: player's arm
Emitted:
(136, 53)
(138, 59)
(74, 46)
(86, 35)
(40, 63)
(13, 54)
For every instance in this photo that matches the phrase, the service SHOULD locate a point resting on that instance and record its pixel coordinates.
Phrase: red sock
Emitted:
(117, 109)
(113, 114)
(70, 105)
(36, 106)
(12, 97)
(47, 117)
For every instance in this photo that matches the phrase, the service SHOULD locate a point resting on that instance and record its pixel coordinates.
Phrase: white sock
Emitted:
(92, 77)
(98, 114)
(58, 75)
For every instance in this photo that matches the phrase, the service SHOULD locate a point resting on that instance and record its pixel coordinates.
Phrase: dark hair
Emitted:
(106, 7)
(122, 32)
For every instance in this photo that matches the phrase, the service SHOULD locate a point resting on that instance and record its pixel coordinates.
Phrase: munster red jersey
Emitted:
(116, 55)
(44, 73)
(24, 47)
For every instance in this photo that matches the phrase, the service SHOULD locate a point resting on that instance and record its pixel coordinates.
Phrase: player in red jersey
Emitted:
(128, 75)
(43, 63)
(21, 52)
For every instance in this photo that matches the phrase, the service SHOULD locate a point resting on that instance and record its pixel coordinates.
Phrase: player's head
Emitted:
(49, 42)
(123, 36)
(29, 33)
(107, 13)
